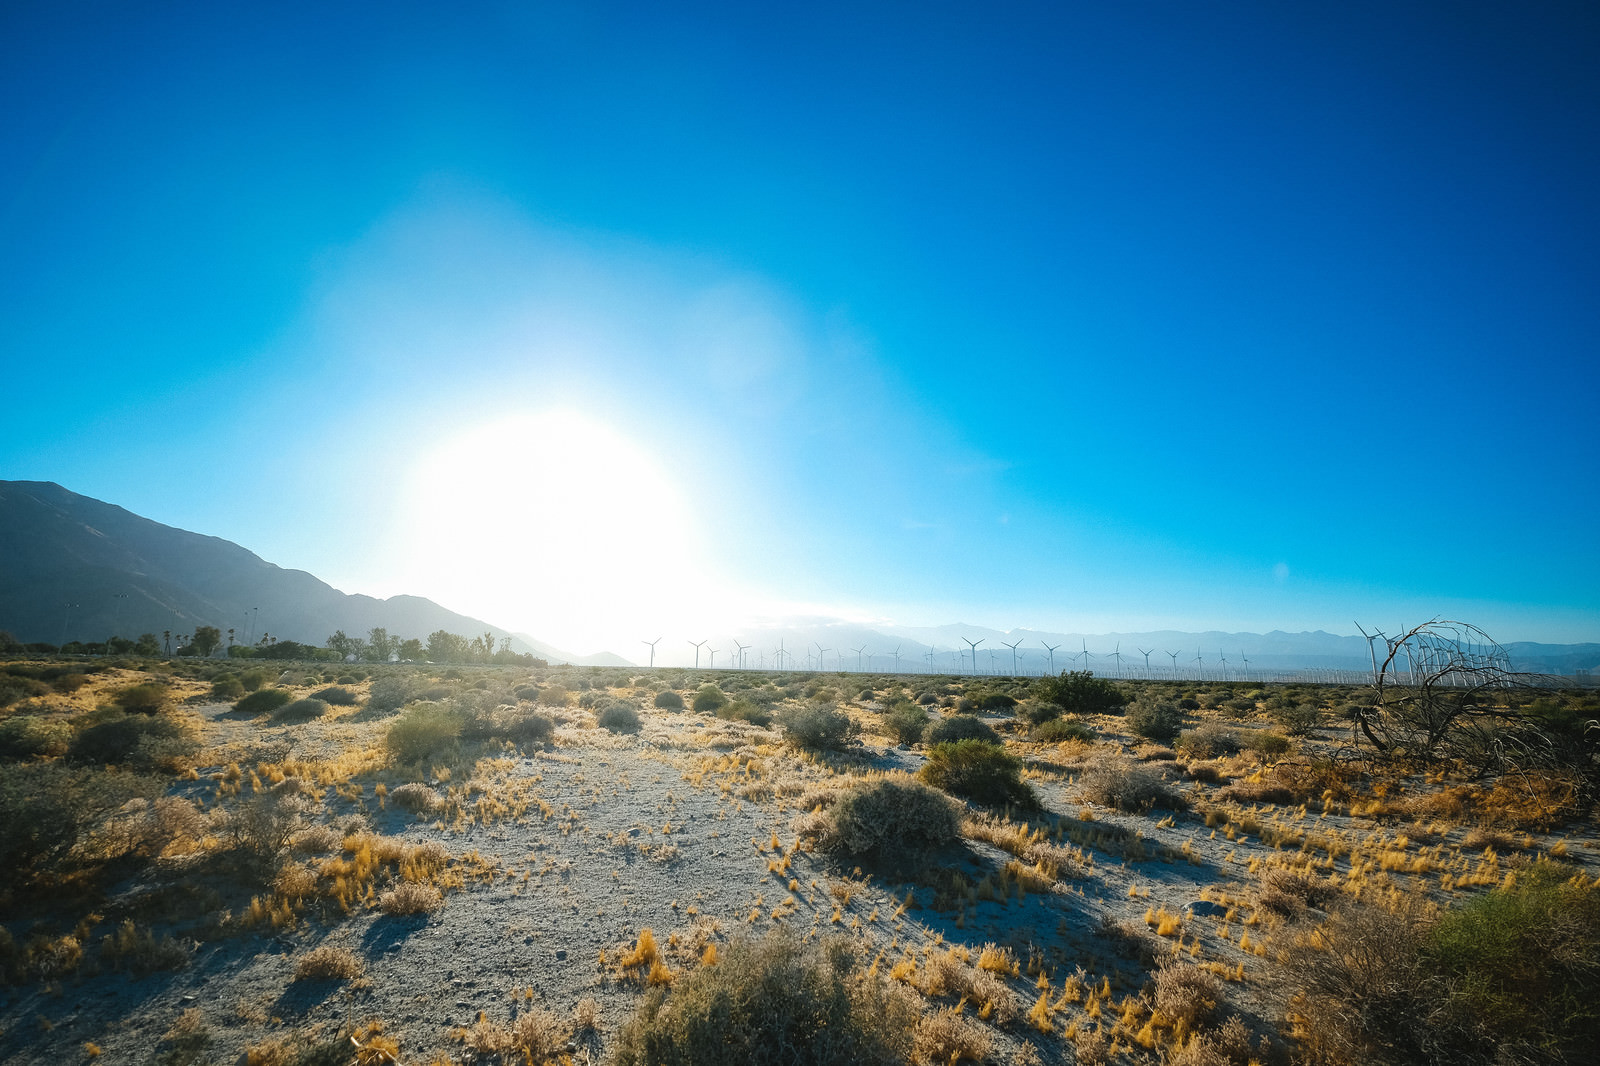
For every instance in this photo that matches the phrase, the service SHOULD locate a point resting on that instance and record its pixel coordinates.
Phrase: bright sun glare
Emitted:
(554, 524)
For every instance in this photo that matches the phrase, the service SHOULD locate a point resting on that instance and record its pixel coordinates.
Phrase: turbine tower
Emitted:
(1246, 659)
(1013, 648)
(742, 649)
(713, 653)
(1224, 657)
(652, 644)
(1200, 664)
(820, 652)
(897, 658)
(1085, 653)
(974, 645)
(1052, 652)
(1117, 655)
(1146, 655)
(858, 652)
(696, 645)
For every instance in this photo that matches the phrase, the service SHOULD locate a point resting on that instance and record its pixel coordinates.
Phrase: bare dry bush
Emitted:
(409, 897)
(327, 962)
(945, 1038)
(416, 798)
(1187, 994)
(1287, 892)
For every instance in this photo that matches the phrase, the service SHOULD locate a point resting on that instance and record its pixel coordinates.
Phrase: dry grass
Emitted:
(408, 898)
(327, 962)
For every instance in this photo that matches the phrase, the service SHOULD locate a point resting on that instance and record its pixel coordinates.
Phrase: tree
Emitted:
(1080, 692)
(411, 648)
(205, 640)
(1445, 690)
(340, 645)
(147, 645)
(445, 647)
(380, 645)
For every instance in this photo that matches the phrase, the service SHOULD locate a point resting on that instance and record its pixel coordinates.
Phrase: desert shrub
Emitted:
(300, 711)
(1267, 743)
(669, 700)
(410, 897)
(816, 726)
(416, 798)
(959, 727)
(47, 808)
(986, 699)
(227, 687)
(1155, 719)
(889, 820)
(1080, 692)
(263, 701)
(524, 728)
(423, 730)
(1056, 730)
(140, 952)
(554, 696)
(1208, 740)
(1188, 703)
(389, 692)
(906, 721)
(337, 696)
(1298, 719)
(252, 680)
(1130, 787)
(1287, 892)
(261, 826)
(979, 770)
(325, 962)
(708, 698)
(148, 697)
(744, 711)
(141, 740)
(1035, 712)
(771, 1002)
(927, 699)
(619, 718)
(14, 688)
(27, 736)
(530, 693)
(1187, 994)
(1520, 966)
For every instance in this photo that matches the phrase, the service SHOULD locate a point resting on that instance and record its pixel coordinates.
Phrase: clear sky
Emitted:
(596, 320)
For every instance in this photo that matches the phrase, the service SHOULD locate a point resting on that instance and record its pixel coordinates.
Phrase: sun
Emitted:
(555, 524)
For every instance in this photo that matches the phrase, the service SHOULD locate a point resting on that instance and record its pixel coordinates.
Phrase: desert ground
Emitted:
(449, 864)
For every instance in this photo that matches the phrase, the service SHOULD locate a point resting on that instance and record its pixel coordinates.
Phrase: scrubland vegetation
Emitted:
(312, 862)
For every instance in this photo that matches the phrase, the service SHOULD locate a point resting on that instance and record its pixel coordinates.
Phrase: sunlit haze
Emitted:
(607, 323)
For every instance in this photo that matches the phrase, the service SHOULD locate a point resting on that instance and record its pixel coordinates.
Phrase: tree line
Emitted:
(378, 646)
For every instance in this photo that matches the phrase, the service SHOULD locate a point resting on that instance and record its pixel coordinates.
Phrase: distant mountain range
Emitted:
(75, 568)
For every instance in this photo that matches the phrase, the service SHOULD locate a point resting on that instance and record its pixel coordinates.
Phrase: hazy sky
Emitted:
(600, 320)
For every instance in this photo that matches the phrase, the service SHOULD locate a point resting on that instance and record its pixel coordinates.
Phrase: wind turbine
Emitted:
(1224, 657)
(1146, 655)
(931, 649)
(696, 645)
(1013, 648)
(713, 652)
(858, 652)
(742, 649)
(992, 654)
(1246, 659)
(1086, 655)
(974, 645)
(652, 644)
(1117, 655)
(1052, 652)
(780, 653)
(820, 651)
(897, 658)
(1200, 664)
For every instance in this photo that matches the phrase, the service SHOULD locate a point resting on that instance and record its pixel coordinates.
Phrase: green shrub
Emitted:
(1267, 743)
(1209, 740)
(1155, 719)
(253, 679)
(227, 687)
(131, 738)
(906, 721)
(146, 698)
(708, 699)
(1037, 712)
(619, 718)
(744, 711)
(778, 1001)
(1128, 787)
(553, 696)
(816, 726)
(986, 699)
(424, 731)
(521, 727)
(263, 701)
(336, 695)
(27, 736)
(889, 820)
(1057, 730)
(14, 688)
(47, 808)
(669, 700)
(959, 727)
(1298, 719)
(979, 770)
(300, 711)
(389, 693)
(1080, 692)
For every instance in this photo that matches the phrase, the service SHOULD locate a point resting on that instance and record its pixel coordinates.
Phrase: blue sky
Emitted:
(598, 318)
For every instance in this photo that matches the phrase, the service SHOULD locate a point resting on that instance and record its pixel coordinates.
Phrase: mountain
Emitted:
(76, 568)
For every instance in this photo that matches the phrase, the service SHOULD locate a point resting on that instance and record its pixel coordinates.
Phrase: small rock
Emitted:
(1205, 908)
(561, 956)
